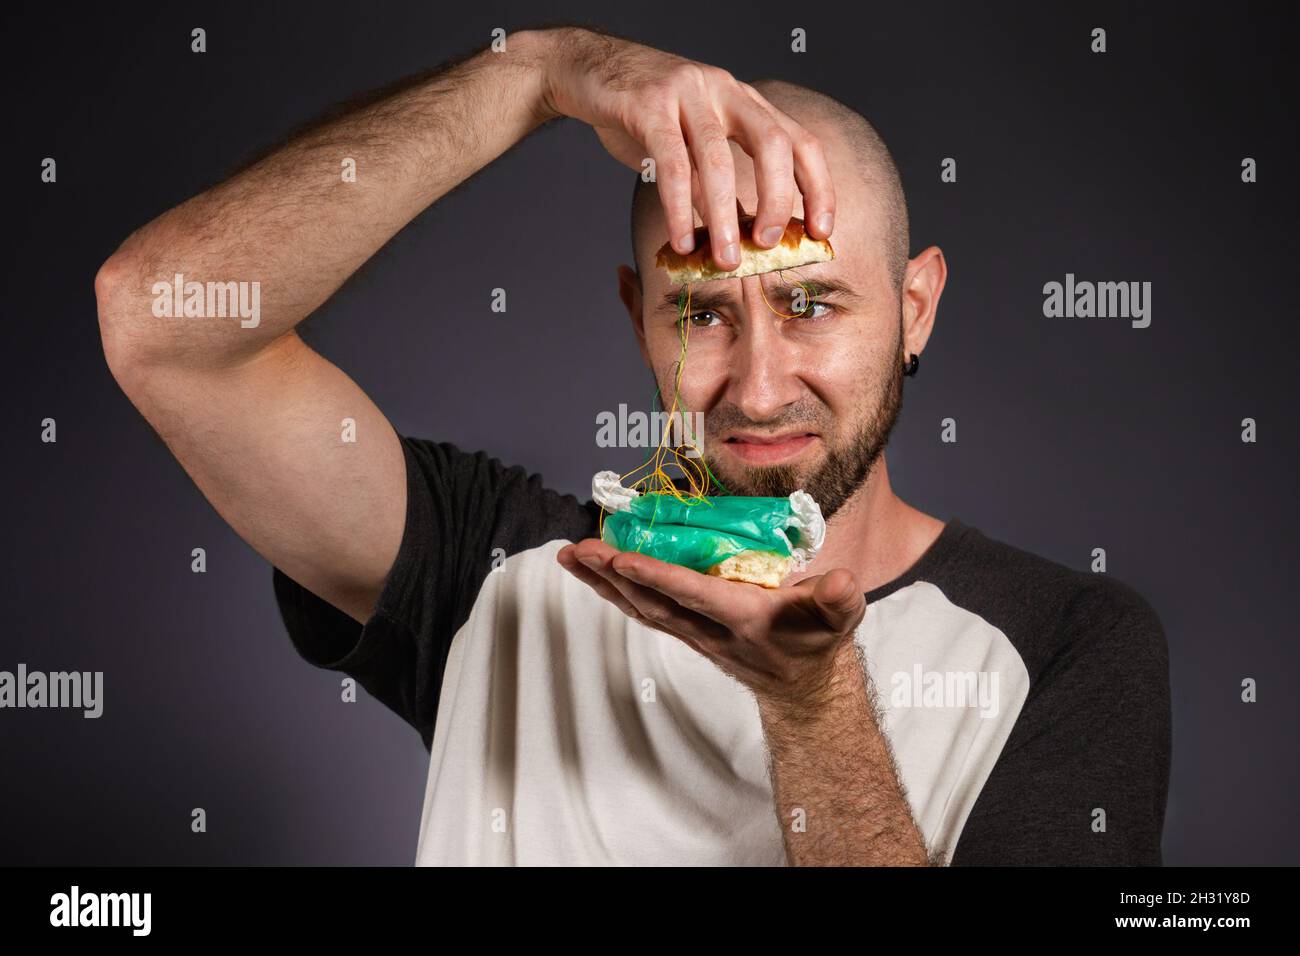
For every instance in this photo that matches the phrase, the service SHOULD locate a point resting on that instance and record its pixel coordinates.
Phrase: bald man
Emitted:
(920, 694)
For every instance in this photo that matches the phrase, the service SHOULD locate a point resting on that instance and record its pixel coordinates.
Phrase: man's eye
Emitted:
(696, 324)
(810, 313)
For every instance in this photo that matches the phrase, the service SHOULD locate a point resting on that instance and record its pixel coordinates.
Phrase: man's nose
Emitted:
(764, 365)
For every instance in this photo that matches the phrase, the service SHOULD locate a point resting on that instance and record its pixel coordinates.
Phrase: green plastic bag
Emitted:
(699, 533)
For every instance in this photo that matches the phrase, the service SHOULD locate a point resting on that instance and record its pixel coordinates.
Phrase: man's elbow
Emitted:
(122, 332)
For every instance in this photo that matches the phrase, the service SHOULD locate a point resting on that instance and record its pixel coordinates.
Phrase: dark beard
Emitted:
(843, 471)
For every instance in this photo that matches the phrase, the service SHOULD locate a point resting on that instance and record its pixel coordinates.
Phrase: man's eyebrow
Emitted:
(782, 290)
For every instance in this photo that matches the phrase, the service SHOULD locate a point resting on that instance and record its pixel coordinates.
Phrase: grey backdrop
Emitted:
(1073, 433)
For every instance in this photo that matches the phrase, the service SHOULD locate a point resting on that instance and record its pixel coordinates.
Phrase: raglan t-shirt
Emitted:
(1026, 704)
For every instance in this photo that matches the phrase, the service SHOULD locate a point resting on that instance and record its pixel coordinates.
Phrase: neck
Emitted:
(876, 534)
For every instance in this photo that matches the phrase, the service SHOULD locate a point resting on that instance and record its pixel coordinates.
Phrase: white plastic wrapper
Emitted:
(812, 528)
(607, 492)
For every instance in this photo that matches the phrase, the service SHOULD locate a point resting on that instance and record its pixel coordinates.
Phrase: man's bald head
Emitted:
(825, 116)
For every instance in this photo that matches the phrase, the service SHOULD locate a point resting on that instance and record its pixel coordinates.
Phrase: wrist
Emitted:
(840, 678)
(543, 51)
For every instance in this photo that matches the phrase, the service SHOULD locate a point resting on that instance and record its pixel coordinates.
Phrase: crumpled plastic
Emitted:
(699, 533)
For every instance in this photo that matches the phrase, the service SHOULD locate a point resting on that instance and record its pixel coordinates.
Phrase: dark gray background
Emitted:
(1073, 434)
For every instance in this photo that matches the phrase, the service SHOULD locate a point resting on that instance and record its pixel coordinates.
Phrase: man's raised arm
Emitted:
(254, 415)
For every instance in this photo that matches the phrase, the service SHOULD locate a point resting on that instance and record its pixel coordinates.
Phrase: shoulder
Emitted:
(1050, 611)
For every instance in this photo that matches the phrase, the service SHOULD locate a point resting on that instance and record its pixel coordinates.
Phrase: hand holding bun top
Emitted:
(645, 103)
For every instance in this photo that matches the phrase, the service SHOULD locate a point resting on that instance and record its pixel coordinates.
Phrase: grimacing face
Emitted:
(801, 402)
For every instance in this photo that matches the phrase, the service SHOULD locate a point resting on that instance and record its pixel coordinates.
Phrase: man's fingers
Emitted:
(839, 600)
(758, 132)
(661, 611)
(710, 597)
(595, 581)
(812, 173)
(673, 175)
(695, 170)
(711, 153)
(652, 607)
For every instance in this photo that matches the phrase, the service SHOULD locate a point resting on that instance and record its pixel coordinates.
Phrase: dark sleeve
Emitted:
(1095, 732)
(460, 507)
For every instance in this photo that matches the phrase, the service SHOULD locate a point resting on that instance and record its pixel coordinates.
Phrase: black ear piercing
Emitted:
(910, 367)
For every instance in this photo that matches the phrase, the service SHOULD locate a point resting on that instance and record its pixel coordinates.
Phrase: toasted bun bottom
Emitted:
(757, 567)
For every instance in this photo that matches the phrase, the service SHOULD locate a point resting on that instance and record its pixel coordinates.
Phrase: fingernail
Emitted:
(730, 252)
(686, 242)
(591, 562)
(824, 222)
(771, 235)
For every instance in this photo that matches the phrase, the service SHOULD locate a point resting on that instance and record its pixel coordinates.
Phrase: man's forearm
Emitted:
(297, 225)
(837, 794)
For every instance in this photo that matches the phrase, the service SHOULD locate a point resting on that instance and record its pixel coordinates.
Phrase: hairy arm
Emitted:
(250, 411)
(838, 795)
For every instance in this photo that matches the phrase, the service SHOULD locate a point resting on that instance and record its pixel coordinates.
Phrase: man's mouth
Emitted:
(758, 449)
